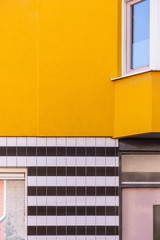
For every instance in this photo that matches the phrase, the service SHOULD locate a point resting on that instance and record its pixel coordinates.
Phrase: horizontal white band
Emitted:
(73, 237)
(73, 201)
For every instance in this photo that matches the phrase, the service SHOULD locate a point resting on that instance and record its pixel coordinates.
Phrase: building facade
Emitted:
(80, 122)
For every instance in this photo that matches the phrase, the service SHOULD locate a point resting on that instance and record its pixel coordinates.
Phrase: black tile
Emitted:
(91, 151)
(21, 151)
(61, 211)
(41, 230)
(91, 171)
(51, 171)
(71, 151)
(51, 211)
(71, 171)
(90, 191)
(91, 211)
(51, 230)
(41, 151)
(32, 210)
(71, 230)
(71, 211)
(41, 171)
(41, 210)
(100, 171)
(3, 151)
(71, 191)
(111, 171)
(61, 171)
(100, 151)
(100, 211)
(100, 191)
(61, 191)
(31, 151)
(81, 230)
(91, 230)
(32, 230)
(41, 191)
(81, 211)
(51, 191)
(81, 191)
(32, 171)
(61, 151)
(81, 151)
(111, 151)
(61, 230)
(11, 151)
(81, 171)
(32, 191)
(111, 211)
(51, 151)
(111, 230)
(100, 230)
(111, 191)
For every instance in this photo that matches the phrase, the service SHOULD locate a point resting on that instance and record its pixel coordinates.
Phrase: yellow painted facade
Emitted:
(56, 64)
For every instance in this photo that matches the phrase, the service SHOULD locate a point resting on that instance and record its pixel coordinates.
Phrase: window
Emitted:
(140, 197)
(12, 204)
(138, 35)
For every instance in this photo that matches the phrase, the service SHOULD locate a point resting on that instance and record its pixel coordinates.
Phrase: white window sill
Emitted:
(133, 74)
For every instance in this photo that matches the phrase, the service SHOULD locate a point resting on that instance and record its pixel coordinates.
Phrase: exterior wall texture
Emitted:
(72, 185)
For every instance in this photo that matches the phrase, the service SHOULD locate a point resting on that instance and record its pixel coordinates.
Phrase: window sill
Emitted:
(133, 74)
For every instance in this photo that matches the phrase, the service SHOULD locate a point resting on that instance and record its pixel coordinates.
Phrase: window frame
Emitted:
(126, 39)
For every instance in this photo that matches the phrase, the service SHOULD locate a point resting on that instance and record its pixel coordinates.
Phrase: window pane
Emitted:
(12, 210)
(156, 222)
(140, 34)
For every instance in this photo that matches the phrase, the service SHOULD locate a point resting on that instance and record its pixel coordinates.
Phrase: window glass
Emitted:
(140, 34)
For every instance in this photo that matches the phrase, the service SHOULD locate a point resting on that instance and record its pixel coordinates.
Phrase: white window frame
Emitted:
(154, 38)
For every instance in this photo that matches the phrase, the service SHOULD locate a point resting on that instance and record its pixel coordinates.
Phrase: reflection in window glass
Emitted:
(140, 34)
(12, 209)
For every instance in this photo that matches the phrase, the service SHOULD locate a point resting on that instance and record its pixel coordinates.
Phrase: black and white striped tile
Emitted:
(72, 185)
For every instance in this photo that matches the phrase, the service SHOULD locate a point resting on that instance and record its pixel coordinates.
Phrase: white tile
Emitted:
(31, 161)
(32, 201)
(41, 161)
(91, 201)
(101, 142)
(51, 220)
(61, 161)
(11, 141)
(112, 220)
(51, 201)
(32, 238)
(61, 181)
(41, 181)
(71, 238)
(110, 142)
(81, 181)
(71, 181)
(91, 142)
(52, 238)
(112, 161)
(51, 161)
(71, 220)
(41, 220)
(81, 161)
(111, 201)
(71, 201)
(91, 221)
(41, 141)
(71, 161)
(81, 141)
(90, 161)
(31, 181)
(81, 220)
(11, 162)
(32, 220)
(90, 181)
(71, 141)
(21, 141)
(61, 221)
(101, 220)
(41, 237)
(100, 161)
(3, 161)
(3, 141)
(51, 142)
(51, 181)
(41, 200)
(61, 141)
(21, 161)
(31, 141)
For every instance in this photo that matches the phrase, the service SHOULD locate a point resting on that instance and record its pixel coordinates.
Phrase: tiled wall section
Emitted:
(72, 186)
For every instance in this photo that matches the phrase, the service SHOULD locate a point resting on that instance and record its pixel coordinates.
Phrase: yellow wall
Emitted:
(57, 59)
